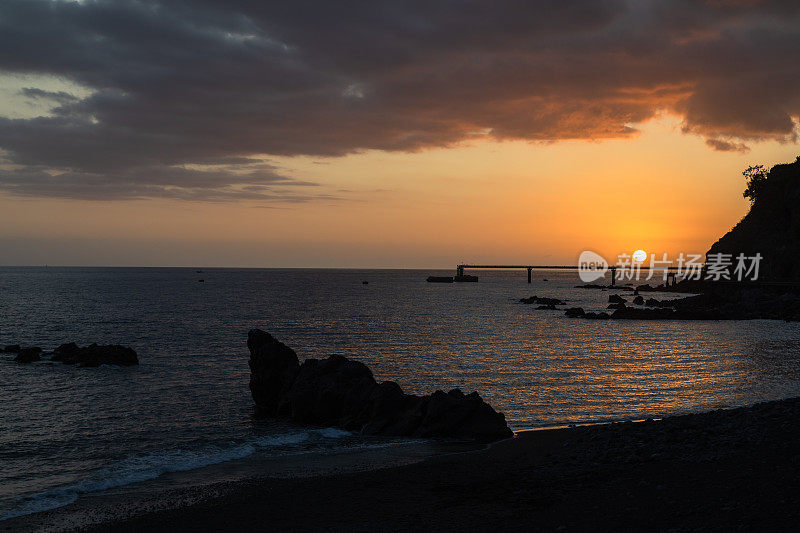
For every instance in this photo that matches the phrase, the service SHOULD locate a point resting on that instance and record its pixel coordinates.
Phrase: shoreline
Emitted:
(720, 469)
(176, 489)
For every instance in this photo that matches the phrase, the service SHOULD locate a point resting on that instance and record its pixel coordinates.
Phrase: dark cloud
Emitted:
(210, 82)
(158, 182)
(726, 146)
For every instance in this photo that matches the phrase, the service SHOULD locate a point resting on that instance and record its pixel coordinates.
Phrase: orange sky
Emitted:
(662, 191)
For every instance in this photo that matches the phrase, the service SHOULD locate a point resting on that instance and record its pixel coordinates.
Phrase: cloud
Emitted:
(206, 82)
(180, 183)
(727, 146)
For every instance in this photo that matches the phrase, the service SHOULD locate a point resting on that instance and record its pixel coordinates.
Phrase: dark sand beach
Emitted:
(722, 470)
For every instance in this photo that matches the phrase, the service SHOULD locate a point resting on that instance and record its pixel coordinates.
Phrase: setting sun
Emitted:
(639, 256)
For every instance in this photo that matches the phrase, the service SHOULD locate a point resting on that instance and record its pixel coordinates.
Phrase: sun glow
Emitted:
(639, 256)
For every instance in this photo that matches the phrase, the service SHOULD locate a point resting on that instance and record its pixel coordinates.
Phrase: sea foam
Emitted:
(150, 466)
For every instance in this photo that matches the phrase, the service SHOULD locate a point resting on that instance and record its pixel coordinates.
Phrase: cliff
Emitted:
(772, 227)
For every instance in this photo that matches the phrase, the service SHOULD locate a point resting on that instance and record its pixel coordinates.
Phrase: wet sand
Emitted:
(723, 470)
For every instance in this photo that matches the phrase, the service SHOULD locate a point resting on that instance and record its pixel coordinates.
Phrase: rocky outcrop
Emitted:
(542, 301)
(72, 354)
(338, 391)
(578, 312)
(95, 355)
(28, 355)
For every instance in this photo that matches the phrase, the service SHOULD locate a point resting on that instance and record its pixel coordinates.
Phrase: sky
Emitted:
(385, 134)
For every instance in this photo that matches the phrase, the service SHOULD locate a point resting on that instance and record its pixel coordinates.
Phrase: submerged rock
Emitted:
(616, 299)
(338, 391)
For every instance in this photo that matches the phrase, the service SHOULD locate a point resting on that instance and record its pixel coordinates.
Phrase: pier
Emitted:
(461, 276)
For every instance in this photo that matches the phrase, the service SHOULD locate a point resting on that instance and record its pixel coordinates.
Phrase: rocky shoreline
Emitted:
(718, 303)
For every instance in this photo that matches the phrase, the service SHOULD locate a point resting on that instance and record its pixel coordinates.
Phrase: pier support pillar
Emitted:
(529, 274)
(613, 276)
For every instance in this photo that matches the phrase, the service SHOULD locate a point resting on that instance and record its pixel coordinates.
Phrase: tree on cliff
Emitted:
(756, 177)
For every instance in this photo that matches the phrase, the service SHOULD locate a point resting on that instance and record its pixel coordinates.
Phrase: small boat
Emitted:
(440, 279)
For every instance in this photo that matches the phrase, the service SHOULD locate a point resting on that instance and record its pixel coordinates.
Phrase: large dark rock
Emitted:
(95, 355)
(273, 366)
(28, 355)
(341, 392)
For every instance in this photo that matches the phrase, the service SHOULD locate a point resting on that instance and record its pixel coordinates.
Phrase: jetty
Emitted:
(461, 276)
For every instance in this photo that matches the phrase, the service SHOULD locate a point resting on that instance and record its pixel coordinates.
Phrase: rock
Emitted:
(616, 299)
(644, 314)
(547, 307)
(12, 348)
(65, 351)
(338, 391)
(273, 366)
(95, 355)
(332, 391)
(616, 305)
(542, 301)
(28, 355)
(597, 316)
(575, 312)
(652, 302)
(638, 300)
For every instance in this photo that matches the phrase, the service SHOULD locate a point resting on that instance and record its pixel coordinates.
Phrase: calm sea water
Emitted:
(65, 430)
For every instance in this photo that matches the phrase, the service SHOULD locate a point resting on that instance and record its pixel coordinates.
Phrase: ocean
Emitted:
(67, 431)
